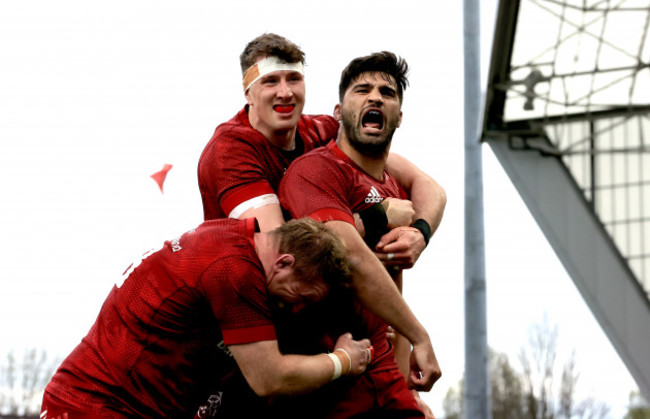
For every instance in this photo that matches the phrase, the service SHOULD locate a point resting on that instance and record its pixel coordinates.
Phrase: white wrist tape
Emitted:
(349, 358)
(337, 366)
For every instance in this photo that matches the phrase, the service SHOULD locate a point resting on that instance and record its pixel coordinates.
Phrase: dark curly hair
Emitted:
(383, 62)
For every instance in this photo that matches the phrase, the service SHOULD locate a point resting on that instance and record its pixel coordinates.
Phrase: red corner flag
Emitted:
(159, 177)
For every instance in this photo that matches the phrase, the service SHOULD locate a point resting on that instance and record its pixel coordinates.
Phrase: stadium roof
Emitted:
(568, 115)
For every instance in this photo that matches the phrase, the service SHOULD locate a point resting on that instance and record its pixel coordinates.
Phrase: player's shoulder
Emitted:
(314, 162)
(234, 133)
(236, 130)
(315, 155)
(321, 127)
(321, 119)
(221, 239)
(225, 227)
(233, 142)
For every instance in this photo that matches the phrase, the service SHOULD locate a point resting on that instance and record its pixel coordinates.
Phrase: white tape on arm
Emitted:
(254, 203)
(349, 360)
(337, 366)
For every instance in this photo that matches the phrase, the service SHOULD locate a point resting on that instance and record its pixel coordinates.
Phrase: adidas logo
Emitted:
(373, 196)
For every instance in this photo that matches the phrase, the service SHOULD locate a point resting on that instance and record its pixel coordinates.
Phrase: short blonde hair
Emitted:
(319, 252)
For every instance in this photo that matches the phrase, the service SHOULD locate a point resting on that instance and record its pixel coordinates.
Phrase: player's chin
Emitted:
(284, 123)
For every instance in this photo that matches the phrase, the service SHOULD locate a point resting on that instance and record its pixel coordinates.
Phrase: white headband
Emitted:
(266, 66)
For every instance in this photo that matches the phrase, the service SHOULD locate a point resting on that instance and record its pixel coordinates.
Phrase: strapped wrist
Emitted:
(374, 221)
(374, 217)
(424, 228)
(337, 366)
(343, 371)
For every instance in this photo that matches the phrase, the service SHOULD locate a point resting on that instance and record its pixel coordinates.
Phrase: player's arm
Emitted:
(270, 373)
(401, 344)
(405, 244)
(424, 408)
(233, 178)
(397, 211)
(390, 213)
(428, 197)
(402, 353)
(268, 217)
(377, 292)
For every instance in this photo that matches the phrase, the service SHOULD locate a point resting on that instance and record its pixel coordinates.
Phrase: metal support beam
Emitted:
(600, 273)
(477, 383)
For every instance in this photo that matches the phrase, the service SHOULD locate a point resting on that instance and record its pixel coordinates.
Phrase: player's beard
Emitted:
(364, 144)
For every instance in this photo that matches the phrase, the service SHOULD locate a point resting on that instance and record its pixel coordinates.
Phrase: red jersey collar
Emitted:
(252, 227)
(334, 149)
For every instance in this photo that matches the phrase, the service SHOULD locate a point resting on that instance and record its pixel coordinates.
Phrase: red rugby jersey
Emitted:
(239, 163)
(159, 340)
(326, 185)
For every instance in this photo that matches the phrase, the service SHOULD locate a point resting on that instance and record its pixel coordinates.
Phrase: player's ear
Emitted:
(337, 112)
(400, 119)
(285, 261)
(248, 97)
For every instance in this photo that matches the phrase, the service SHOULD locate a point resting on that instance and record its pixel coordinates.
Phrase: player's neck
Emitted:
(265, 249)
(373, 165)
(283, 139)
(286, 140)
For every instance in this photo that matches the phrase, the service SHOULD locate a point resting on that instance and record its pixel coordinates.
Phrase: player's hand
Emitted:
(401, 247)
(359, 351)
(399, 212)
(424, 367)
(390, 335)
(424, 408)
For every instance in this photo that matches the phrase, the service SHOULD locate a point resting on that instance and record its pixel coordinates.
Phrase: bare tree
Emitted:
(567, 387)
(22, 382)
(507, 391)
(639, 407)
(538, 362)
(452, 404)
(534, 393)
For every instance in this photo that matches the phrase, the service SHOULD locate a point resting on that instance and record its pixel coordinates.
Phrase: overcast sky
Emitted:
(97, 95)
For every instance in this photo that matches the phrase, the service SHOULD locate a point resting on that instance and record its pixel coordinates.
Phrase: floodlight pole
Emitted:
(476, 393)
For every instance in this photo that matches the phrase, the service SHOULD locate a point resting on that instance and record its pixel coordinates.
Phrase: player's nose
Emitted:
(284, 90)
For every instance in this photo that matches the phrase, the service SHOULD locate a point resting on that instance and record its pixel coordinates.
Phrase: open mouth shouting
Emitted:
(372, 121)
(284, 108)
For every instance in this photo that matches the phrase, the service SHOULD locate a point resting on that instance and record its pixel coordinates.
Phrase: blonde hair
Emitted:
(319, 252)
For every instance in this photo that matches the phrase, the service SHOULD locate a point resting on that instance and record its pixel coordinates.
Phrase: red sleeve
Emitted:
(238, 298)
(320, 128)
(230, 172)
(315, 186)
